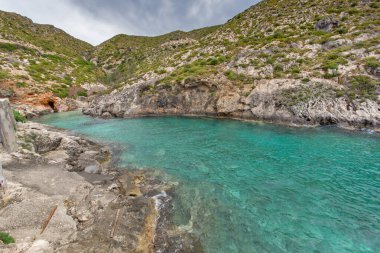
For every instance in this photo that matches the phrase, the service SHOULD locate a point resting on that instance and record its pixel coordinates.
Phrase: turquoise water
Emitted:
(249, 187)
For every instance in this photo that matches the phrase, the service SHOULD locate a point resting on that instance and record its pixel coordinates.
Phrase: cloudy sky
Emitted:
(98, 20)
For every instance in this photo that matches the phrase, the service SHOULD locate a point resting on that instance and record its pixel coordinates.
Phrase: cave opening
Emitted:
(52, 105)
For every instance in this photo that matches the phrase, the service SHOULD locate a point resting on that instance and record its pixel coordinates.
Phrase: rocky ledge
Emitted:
(289, 101)
(95, 207)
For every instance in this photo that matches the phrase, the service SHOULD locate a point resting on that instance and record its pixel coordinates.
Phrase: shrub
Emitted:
(82, 93)
(353, 11)
(333, 61)
(21, 84)
(61, 92)
(8, 47)
(339, 93)
(6, 238)
(372, 63)
(216, 60)
(19, 117)
(3, 75)
(160, 71)
(362, 87)
(212, 61)
(342, 30)
(231, 75)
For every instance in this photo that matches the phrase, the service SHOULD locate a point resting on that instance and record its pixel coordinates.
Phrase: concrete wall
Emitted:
(7, 127)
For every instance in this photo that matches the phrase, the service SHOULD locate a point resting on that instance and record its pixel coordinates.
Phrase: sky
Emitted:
(95, 21)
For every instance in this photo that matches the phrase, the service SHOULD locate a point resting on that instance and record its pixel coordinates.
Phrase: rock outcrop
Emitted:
(275, 100)
(7, 126)
(53, 168)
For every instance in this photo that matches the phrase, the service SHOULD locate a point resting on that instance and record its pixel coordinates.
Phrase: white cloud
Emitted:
(97, 20)
(65, 16)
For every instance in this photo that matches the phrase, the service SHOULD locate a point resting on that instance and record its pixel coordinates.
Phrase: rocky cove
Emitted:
(239, 185)
(285, 101)
(132, 145)
(97, 207)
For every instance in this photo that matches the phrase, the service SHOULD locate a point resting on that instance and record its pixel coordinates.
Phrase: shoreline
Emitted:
(142, 199)
(342, 126)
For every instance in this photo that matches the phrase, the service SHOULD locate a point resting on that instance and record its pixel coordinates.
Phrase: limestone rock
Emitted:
(40, 246)
(326, 23)
(264, 100)
(7, 127)
(46, 142)
(88, 162)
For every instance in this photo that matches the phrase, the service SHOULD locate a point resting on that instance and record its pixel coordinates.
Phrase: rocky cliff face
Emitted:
(294, 62)
(276, 100)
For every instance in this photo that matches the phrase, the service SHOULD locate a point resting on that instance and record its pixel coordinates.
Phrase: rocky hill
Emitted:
(289, 61)
(294, 61)
(40, 63)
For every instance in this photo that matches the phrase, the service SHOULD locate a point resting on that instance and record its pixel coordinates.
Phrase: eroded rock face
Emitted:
(287, 101)
(57, 147)
(86, 204)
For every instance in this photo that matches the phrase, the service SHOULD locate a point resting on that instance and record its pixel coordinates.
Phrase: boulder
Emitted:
(45, 143)
(326, 24)
(88, 162)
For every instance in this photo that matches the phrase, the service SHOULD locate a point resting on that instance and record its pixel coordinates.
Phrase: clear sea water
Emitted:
(250, 187)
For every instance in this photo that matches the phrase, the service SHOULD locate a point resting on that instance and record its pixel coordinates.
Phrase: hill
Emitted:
(37, 58)
(293, 61)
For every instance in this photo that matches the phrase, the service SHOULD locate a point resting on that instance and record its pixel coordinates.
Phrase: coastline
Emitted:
(88, 190)
(143, 195)
(342, 126)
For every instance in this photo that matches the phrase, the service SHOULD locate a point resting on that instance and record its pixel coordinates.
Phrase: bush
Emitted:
(6, 238)
(19, 117)
(333, 61)
(342, 30)
(372, 63)
(8, 47)
(3, 75)
(21, 85)
(60, 91)
(360, 87)
(353, 11)
(212, 61)
(363, 86)
(82, 93)
(233, 76)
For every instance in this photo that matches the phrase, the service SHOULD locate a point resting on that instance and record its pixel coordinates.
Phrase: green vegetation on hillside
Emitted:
(336, 40)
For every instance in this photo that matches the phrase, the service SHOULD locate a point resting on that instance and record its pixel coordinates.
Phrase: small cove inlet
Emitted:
(250, 187)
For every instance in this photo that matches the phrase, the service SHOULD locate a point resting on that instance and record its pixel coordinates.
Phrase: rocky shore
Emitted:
(96, 207)
(285, 101)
